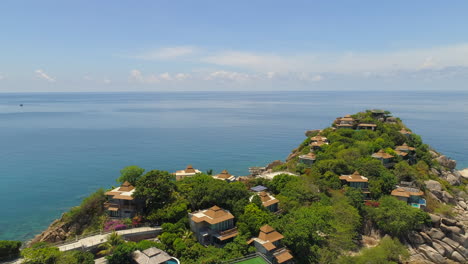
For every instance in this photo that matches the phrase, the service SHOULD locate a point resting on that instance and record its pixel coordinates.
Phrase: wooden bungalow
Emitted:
(307, 159)
(225, 176)
(384, 157)
(269, 243)
(188, 172)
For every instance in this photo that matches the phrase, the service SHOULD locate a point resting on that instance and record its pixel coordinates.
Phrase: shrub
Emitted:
(9, 249)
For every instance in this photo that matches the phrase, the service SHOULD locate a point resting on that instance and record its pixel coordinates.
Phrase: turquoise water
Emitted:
(60, 147)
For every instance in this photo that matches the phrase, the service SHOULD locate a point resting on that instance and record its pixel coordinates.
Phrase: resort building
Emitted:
(391, 120)
(318, 138)
(189, 171)
(269, 244)
(213, 226)
(384, 157)
(153, 256)
(406, 152)
(120, 202)
(268, 200)
(364, 126)
(357, 181)
(378, 114)
(345, 122)
(225, 176)
(412, 196)
(318, 144)
(405, 132)
(307, 159)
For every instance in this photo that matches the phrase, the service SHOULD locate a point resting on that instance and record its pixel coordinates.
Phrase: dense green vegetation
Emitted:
(320, 218)
(9, 249)
(41, 253)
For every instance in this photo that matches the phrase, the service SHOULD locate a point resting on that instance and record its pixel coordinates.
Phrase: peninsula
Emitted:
(366, 189)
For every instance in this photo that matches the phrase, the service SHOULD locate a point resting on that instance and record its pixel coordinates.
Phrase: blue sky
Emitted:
(104, 45)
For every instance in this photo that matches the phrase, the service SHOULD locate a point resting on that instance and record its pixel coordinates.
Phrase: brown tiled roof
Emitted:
(126, 187)
(355, 177)
(382, 154)
(405, 147)
(123, 197)
(267, 233)
(344, 125)
(283, 256)
(228, 234)
(267, 200)
(404, 131)
(269, 246)
(367, 125)
(318, 138)
(213, 215)
(309, 156)
(189, 169)
(224, 175)
(401, 153)
(406, 192)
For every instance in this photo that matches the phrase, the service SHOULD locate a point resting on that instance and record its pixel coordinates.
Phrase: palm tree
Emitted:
(209, 172)
(113, 240)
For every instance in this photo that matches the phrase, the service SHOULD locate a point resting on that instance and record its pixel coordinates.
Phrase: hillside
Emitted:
(365, 189)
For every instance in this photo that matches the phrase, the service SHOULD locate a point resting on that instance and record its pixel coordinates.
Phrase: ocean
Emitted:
(59, 147)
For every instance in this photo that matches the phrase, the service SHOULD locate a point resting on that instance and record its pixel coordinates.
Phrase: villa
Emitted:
(406, 152)
(364, 126)
(318, 138)
(189, 171)
(153, 256)
(345, 122)
(378, 114)
(357, 181)
(213, 226)
(268, 200)
(384, 157)
(120, 202)
(225, 176)
(412, 196)
(307, 159)
(318, 144)
(405, 132)
(269, 244)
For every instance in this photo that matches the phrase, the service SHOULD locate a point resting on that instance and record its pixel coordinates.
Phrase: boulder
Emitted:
(451, 229)
(415, 238)
(448, 249)
(434, 154)
(432, 185)
(463, 251)
(426, 238)
(446, 162)
(439, 248)
(464, 173)
(452, 179)
(458, 257)
(450, 242)
(459, 238)
(462, 204)
(449, 222)
(274, 164)
(435, 233)
(435, 219)
(432, 254)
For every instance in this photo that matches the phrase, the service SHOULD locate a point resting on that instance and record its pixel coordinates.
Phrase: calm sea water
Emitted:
(59, 147)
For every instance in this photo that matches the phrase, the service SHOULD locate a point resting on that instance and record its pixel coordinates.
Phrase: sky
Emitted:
(108, 45)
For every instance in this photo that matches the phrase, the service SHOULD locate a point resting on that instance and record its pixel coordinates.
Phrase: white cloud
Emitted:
(107, 81)
(228, 75)
(2, 77)
(345, 62)
(166, 53)
(42, 75)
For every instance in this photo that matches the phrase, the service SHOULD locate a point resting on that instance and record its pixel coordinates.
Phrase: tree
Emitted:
(40, 254)
(113, 240)
(130, 174)
(122, 254)
(252, 219)
(9, 249)
(75, 257)
(395, 217)
(155, 188)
